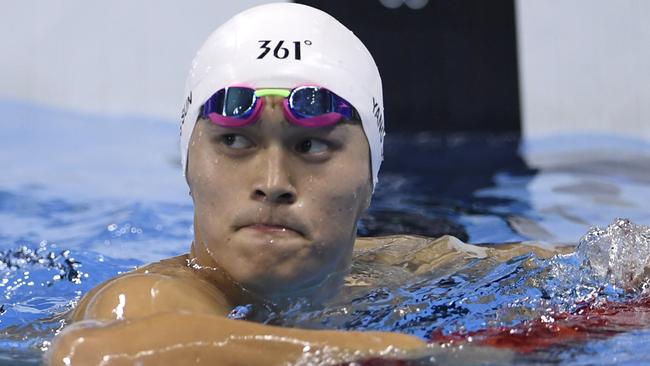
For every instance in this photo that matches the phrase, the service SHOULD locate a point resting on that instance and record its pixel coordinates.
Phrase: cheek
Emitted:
(349, 181)
(208, 177)
(203, 186)
(209, 208)
(211, 193)
(342, 199)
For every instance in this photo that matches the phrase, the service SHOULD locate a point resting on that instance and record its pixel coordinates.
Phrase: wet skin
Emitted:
(276, 208)
(276, 205)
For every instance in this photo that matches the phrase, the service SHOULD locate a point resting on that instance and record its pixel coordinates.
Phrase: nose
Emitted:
(274, 183)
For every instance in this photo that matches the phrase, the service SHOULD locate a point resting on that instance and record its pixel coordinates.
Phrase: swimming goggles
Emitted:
(306, 106)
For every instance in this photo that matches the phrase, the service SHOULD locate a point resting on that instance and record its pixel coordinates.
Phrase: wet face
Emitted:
(276, 205)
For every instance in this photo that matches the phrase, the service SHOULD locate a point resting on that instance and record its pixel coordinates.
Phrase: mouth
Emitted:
(275, 229)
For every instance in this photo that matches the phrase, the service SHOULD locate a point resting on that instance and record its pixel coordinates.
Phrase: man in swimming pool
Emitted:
(281, 139)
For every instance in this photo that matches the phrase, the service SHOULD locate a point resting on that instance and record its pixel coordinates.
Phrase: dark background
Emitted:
(450, 66)
(451, 95)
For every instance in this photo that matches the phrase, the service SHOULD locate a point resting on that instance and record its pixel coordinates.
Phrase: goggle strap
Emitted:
(276, 92)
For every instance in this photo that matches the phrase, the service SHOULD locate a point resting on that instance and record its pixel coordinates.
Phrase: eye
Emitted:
(312, 146)
(235, 141)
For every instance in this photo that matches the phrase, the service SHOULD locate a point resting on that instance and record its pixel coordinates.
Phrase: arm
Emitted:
(174, 338)
(164, 320)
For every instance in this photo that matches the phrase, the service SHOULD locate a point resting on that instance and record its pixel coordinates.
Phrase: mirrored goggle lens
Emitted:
(236, 102)
(311, 101)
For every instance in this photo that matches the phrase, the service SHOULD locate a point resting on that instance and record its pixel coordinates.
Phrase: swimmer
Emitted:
(281, 142)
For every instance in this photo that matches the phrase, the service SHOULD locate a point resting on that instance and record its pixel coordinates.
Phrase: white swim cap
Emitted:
(284, 45)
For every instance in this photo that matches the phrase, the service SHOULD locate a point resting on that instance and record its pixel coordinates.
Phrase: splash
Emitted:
(12, 260)
(618, 254)
(602, 290)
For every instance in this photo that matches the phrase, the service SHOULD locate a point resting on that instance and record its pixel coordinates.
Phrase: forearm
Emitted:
(174, 338)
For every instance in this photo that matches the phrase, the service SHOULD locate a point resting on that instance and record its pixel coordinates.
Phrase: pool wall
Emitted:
(583, 64)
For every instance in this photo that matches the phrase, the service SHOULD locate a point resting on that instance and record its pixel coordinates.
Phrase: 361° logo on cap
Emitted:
(280, 51)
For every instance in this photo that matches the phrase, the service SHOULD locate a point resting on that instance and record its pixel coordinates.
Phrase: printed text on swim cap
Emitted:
(280, 51)
(379, 116)
(186, 108)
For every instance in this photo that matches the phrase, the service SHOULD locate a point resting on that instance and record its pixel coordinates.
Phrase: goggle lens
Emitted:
(307, 106)
(237, 101)
(311, 101)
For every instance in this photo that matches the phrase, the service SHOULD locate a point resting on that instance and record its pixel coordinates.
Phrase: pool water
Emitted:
(85, 197)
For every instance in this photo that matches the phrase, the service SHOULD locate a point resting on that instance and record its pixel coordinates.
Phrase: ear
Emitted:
(188, 164)
(367, 201)
(188, 180)
(365, 197)
(371, 188)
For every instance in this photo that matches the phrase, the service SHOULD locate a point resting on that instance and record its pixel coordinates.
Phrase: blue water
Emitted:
(86, 197)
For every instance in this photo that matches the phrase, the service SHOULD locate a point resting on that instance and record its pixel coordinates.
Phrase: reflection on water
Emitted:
(424, 287)
(70, 220)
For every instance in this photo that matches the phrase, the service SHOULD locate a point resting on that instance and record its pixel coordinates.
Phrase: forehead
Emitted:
(264, 126)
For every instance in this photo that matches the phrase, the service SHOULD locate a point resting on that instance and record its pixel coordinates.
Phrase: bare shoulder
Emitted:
(417, 254)
(403, 244)
(408, 241)
(168, 285)
(421, 254)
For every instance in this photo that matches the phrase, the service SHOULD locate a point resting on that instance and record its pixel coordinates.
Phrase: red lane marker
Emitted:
(377, 362)
(589, 321)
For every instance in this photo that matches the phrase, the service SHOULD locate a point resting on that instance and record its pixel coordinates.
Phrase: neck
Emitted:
(206, 267)
(202, 262)
(316, 293)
